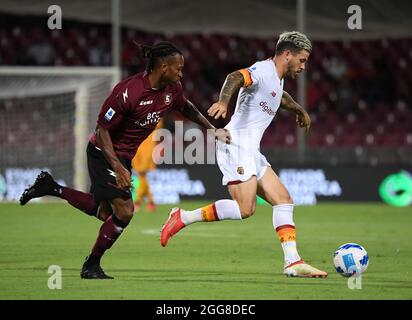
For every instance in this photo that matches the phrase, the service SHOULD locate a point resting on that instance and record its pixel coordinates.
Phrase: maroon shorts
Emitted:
(103, 182)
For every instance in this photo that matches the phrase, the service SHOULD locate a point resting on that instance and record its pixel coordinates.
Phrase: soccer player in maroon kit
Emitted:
(129, 114)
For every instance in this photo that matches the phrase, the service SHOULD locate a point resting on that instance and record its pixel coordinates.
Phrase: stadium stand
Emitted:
(358, 91)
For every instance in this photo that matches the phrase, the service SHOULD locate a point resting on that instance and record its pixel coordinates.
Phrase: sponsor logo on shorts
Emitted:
(112, 173)
(240, 170)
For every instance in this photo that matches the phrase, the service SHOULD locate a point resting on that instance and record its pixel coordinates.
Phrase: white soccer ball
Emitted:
(350, 259)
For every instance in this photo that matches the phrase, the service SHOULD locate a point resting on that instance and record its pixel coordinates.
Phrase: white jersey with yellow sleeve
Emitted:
(256, 106)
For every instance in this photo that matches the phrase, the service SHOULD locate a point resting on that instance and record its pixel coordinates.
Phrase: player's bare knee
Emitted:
(247, 210)
(124, 210)
(104, 211)
(103, 215)
(125, 214)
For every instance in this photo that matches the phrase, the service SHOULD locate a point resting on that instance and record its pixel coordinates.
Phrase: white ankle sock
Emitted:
(283, 216)
(189, 217)
(225, 210)
(290, 253)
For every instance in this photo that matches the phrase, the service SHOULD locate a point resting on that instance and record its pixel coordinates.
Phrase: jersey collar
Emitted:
(276, 73)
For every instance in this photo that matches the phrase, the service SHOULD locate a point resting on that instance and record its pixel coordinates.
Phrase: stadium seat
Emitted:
(374, 120)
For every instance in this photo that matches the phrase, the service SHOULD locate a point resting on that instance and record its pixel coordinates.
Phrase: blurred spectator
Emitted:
(377, 83)
(385, 79)
(314, 91)
(100, 54)
(336, 68)
(41, 53)
(346, 98)
(347, 78)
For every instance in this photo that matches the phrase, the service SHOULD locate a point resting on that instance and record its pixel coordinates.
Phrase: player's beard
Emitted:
(293, 73)
(174, 80)
(290, 72)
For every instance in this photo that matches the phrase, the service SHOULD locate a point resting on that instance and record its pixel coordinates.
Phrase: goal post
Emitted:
(46, 117)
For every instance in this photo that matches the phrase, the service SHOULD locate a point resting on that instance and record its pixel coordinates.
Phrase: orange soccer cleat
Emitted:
(172, 226)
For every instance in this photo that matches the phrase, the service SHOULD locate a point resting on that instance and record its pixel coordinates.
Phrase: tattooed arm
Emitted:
(302, 117)
(234, 81)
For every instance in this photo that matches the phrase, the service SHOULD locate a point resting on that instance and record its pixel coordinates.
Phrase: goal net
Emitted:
(46, 117)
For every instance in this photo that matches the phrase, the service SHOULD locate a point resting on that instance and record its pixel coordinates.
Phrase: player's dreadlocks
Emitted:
(293, 41)
(157, 52)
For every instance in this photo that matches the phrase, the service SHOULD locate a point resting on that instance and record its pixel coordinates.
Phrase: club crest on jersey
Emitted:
(273, 93)
(240, 170)
(168, 99)
(109, 114)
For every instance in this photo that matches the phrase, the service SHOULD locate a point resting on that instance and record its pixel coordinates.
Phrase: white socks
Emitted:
(290, 252)
(228, 210)
(283, 215)
(220, 210)
(285, 228)
(189, 217)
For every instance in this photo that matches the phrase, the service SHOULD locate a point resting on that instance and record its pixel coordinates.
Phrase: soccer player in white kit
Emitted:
(246, 172)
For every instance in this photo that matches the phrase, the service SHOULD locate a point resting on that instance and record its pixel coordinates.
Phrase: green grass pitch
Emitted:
(223, 260)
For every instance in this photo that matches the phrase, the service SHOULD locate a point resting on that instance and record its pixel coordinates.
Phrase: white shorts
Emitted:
(238, 164)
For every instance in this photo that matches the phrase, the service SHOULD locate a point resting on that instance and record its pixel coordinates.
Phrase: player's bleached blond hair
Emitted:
(294, 41)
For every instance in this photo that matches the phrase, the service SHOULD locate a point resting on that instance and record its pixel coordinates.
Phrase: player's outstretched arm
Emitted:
(105, 142)
(190, 112)
(302, 117)
(234, 81)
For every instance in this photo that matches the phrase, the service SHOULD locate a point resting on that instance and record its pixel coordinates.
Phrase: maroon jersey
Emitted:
(132, 110)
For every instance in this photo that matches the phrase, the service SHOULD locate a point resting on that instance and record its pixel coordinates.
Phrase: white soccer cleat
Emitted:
(301, 269)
